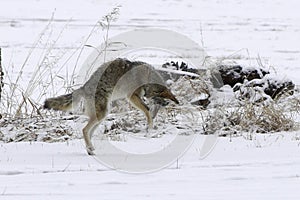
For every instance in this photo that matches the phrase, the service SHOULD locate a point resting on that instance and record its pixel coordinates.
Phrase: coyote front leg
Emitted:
(137, 102)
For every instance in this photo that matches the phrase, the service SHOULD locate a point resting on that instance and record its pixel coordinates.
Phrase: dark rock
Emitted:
(236, 75)
(267, 85)
(275, 89)
(233, 74)
(175, 66)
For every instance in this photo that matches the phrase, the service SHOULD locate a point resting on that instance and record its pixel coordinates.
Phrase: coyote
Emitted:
(114, 80)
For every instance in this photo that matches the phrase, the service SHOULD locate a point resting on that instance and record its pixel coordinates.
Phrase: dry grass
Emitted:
(20, 98)
(53, 71)
(262, 119)
(250, 118)
(19, 103)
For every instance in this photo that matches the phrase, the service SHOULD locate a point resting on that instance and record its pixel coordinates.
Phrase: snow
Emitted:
(265, 168)
(251, 166)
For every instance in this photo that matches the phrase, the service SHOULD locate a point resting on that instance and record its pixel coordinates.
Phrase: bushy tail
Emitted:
(63, 102)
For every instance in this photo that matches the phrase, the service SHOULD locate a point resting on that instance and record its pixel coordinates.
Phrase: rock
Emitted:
(275, 88)
(237, 76)
(173, 71)
(249, 81)
(268, 85)
(233, 74)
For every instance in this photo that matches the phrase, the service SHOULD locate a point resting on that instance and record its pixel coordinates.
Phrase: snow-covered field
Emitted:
(265, 167)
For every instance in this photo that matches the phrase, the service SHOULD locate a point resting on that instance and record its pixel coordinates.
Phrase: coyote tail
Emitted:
(63, 102)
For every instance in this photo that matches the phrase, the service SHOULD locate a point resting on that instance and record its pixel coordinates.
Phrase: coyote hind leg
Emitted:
(92, 123)
(88, 130)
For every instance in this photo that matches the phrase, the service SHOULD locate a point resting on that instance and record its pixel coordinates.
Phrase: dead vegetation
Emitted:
(54, 72)
(202, 108)
(51, 129)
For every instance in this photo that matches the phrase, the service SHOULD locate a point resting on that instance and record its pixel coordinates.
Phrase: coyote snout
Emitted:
(141, 80)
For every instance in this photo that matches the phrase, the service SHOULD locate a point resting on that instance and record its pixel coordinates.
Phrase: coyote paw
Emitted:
(90, 150)
(149, 127)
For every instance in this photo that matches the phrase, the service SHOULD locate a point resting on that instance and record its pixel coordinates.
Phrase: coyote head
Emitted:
(159, 91)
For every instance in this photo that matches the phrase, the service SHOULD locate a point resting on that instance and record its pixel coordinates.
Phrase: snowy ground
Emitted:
(267, 167)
